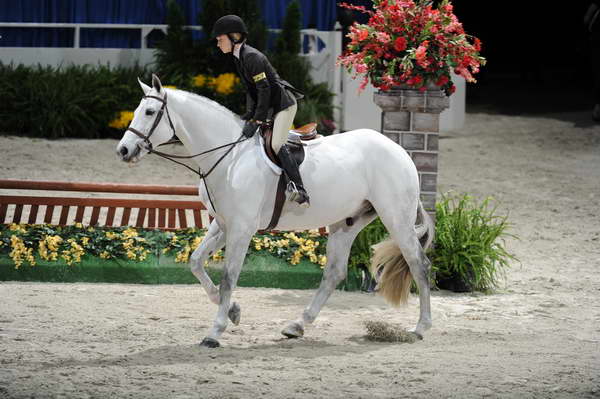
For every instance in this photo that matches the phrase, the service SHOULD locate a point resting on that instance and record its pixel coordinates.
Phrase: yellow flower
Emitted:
(196, 242)
(131, 254)
(122, 121)
(199, 80)
(129, 233)
(322, 260)
(218, 256)
(18, 228)
(225, 82)
(85, 240)
(111, 235)
(104, 255)
(184, 255)
(78, 225)
(20, 252)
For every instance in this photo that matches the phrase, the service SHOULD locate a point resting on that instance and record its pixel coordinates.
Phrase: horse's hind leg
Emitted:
(405, 237)
(339, 244)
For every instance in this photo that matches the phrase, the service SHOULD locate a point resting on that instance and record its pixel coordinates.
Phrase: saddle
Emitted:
(296, 147)
(294, 142)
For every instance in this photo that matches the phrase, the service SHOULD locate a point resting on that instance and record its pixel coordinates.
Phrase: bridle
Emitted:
(171, 157)
(159, 116)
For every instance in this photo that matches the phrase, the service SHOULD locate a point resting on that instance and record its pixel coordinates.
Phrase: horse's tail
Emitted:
(389, 268)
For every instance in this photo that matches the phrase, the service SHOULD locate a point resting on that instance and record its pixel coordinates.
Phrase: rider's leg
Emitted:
(281, 127)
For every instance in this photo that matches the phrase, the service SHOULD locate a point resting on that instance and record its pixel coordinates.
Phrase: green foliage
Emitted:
(361, 252)
(469, 243)
(316, 106)
(176, 56)
(288, 40)
(73, 101)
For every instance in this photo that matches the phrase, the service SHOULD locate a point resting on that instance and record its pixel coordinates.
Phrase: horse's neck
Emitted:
(203, 126)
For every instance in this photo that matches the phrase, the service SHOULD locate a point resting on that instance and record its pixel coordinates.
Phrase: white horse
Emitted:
(359, 174)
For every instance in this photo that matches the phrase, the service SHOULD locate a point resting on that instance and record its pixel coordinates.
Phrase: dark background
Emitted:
(537, 56)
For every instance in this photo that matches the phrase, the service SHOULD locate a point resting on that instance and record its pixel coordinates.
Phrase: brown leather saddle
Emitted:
(294, 142)
(296, 147)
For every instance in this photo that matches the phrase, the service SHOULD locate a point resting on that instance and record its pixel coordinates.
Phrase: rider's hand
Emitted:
(250, 128)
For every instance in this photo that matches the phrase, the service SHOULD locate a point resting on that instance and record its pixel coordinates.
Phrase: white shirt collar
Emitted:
(236, 50)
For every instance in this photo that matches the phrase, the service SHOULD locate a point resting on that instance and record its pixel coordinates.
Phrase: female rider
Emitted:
(265, 92)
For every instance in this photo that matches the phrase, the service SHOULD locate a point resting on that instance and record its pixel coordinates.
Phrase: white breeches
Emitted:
(281, 126)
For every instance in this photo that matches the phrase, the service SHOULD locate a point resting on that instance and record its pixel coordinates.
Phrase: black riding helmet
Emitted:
(230, 24)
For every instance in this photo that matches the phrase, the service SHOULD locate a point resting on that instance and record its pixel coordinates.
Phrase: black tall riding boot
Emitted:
(295, 186)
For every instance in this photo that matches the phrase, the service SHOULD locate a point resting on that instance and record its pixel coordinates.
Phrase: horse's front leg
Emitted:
(237, 245)
(213, 241)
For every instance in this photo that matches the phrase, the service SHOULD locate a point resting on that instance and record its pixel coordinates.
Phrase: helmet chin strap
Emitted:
(233, 41)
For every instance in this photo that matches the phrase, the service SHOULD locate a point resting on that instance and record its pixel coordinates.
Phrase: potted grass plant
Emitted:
(469, 253)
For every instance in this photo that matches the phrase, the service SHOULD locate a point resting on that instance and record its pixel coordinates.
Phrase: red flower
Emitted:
(421, 54)
(410, 41)
(400, 44)
(442, 80)
(363, 34)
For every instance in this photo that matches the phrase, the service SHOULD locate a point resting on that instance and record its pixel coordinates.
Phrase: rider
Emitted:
(265, 91)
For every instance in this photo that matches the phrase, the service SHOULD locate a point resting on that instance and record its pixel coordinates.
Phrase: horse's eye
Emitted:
(149, 112)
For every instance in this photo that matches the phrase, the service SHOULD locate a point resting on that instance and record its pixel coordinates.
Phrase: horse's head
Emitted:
(151, 124)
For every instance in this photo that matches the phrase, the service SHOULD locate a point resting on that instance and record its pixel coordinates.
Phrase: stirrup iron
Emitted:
(292, 191)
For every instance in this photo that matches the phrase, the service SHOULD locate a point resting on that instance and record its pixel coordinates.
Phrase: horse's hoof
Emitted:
(235, 313)
(418, 336)
(210, 343)
(293, 330)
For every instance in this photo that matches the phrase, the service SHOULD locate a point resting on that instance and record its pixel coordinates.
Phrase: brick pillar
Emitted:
(411, 118)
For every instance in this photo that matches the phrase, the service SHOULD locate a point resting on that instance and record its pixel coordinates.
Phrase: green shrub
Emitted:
(468, 253)
(469, 247)
(73, 101)
(360, 254)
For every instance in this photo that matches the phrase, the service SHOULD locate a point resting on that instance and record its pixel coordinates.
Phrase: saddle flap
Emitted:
(296, 148)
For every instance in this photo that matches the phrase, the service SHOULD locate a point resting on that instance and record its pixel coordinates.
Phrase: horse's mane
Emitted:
(206, 102)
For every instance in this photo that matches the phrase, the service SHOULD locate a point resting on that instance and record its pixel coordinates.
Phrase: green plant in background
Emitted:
(73, 101)
(469, 251)
(360, 254)
(176, 56)
(317, 105)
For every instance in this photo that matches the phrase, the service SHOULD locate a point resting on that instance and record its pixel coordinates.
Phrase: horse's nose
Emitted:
(123, 151)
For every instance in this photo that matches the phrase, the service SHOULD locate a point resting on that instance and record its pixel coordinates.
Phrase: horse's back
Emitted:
(342, 171)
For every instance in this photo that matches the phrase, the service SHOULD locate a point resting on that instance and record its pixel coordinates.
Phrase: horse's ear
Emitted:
(156, 83)
(145, 88)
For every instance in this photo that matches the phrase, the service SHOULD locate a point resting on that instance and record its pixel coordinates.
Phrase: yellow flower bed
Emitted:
(50, 243)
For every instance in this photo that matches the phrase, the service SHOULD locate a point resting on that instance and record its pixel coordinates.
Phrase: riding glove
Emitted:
(249, 128)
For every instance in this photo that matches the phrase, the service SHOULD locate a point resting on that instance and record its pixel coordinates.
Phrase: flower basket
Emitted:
(411, 44)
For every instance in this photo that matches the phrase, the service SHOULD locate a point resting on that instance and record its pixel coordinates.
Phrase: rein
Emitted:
(173, 157)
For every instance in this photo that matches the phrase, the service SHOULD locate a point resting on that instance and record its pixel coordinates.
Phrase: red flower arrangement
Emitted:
(410, 43)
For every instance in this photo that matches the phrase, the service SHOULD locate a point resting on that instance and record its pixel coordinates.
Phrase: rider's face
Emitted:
(224, 44)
